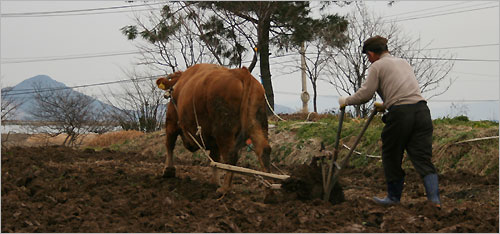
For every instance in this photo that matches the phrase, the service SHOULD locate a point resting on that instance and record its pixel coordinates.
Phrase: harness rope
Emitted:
(203, 149)
(198, 127)
(269, 105)
(169, 96)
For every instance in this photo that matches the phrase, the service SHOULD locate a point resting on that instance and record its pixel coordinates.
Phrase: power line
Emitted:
(477, 74)
(435, 15)
(446, 12)
(65, 12)
(422, 10)
(463, 100)
(82, 14)
(70, 57)
(108, 54)
(422, 14)
(430, 100)
(457, 59)
(31, 91)
(459, 47)
(284, 93)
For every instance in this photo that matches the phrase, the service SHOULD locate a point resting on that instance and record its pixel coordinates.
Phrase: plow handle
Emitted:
(332, 179)
(327, 177)
(341, 120)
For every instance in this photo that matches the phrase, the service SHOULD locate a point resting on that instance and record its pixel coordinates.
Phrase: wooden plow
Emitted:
(330, 169)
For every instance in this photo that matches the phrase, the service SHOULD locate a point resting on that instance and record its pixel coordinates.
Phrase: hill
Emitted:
(24, 93)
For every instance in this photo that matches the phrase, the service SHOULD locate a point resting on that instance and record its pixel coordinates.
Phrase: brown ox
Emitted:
(229, 106)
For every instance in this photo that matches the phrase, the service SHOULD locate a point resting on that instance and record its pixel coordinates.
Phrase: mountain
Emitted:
(281, 109)
(43, 80)
(24, 93)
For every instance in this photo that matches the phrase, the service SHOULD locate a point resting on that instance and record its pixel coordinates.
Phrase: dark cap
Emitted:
(376, 44)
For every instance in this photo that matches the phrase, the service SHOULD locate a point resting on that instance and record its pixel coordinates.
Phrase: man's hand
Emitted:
(342, 102)
(379, 106)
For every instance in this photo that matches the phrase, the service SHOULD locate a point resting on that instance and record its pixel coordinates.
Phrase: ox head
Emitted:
(168, 82)
(160, 82)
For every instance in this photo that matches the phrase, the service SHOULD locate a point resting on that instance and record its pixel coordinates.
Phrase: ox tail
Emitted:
(254, 123)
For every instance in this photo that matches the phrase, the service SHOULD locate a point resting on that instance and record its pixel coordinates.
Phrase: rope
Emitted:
(476, 139)
(309, 115)
(269, 105)
(198, 127)
(263, 181)
(359, 153)
(282, 172)
(202, 149)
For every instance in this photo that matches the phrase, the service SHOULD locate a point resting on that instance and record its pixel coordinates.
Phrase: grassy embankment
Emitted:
(295, 142)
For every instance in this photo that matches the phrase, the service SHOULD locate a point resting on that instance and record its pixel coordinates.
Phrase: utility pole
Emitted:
(304, 95)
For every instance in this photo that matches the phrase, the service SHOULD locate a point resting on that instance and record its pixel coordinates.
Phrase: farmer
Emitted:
(408, 123)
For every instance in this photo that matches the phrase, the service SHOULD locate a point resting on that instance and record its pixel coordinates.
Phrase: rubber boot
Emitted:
(394, 191)
(432, 189)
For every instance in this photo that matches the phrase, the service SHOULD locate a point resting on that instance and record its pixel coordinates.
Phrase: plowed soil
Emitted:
(57, 189)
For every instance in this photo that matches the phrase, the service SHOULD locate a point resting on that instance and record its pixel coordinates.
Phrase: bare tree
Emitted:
(458, 109)
(172, 38)
(316, 62)
(348, 67)
(64, 111)
(138, 104)
(9, 104)
(318, 57)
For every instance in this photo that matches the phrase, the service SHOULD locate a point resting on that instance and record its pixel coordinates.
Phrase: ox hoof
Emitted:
(221, 192)
(169, 172)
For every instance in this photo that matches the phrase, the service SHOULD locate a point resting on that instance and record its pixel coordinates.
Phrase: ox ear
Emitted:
(161, 83)
(174, 75)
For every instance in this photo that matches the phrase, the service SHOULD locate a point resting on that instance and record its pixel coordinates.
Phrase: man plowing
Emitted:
(408, 124)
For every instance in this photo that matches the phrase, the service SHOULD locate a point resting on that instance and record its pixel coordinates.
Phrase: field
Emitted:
(119, 188)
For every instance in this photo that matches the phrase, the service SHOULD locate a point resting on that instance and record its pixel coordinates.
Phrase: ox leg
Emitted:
(169, 169)
(262, 149)
(230, 156)
(228, 178)
(214, 154)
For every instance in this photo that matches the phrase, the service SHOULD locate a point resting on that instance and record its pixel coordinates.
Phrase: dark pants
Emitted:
(407, 127)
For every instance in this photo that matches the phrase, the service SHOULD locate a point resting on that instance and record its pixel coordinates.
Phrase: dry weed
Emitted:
(111, 138)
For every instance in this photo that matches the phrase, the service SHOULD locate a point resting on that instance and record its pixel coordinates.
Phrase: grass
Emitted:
(281, 152)
(464, 121)
(326, 129)
(492, 169)
(480, 157)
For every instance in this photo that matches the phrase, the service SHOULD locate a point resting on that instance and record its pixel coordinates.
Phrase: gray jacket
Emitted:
(393, 79)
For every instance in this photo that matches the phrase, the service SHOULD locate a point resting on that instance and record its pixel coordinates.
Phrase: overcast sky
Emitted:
(53, 45)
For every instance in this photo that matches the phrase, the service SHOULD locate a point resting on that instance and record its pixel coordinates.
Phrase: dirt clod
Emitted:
(306, 181)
